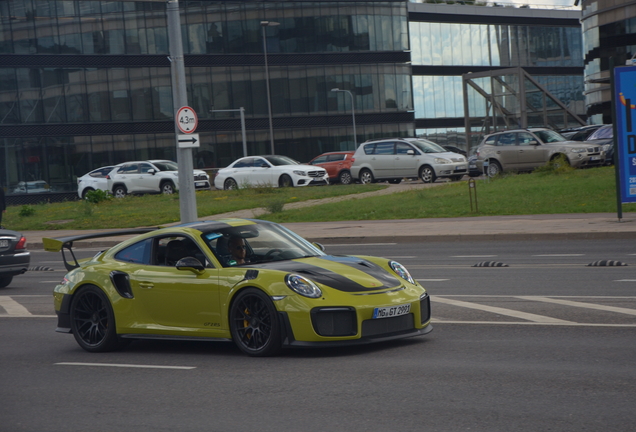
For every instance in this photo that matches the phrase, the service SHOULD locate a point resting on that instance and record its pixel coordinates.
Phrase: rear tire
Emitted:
(494, 169)
(366, 177)
(230, 184)
(119, 191)
(85, 191)
(93, 320)
(5, 281)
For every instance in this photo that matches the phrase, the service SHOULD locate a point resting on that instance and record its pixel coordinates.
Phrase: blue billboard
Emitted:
(625, 130)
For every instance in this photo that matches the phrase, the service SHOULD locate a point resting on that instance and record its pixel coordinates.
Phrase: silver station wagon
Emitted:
(527, 149)
(393, 159)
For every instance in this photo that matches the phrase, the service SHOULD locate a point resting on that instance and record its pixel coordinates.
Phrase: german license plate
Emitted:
(595, 158)
(460, 167)
(4, 243)
(198, 184)
(391, 311)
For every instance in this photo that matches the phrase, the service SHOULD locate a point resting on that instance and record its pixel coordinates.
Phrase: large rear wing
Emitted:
(60, 243)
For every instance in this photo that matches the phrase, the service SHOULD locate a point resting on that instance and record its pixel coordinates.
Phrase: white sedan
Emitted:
(272, 171)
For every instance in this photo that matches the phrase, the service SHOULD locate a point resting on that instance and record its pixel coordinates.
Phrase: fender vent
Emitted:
(121, 281)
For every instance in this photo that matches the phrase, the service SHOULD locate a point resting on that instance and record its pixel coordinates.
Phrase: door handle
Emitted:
(146, 285)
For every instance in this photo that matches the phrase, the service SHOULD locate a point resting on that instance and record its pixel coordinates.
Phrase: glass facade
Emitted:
(87, 83)
(609, 31)
(451, 40)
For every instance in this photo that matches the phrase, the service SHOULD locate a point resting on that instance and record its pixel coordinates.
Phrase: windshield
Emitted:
(428, 146)
(549, 136)
(166, 166)
(281, 160)
(602, 133)
(258, 243)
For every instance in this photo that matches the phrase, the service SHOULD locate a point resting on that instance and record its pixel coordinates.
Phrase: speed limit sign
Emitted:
(187, 120)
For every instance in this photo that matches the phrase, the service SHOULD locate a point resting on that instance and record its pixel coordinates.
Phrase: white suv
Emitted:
(154, 176)
(393, 159)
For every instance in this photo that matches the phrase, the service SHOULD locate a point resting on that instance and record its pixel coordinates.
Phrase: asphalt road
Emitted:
(545, 344)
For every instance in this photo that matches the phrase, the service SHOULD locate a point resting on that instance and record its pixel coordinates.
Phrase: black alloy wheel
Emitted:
(230, 184)
(93, 321)
(285, 181)
(254, 323)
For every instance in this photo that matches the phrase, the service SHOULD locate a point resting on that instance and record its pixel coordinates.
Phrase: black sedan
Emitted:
(14, 256)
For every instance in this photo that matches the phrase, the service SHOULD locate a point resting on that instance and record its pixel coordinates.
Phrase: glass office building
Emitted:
(609, 31)
(87, 83)
(448, 41)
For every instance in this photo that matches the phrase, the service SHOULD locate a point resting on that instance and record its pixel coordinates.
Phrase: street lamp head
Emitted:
(269, 23)
(335, 89)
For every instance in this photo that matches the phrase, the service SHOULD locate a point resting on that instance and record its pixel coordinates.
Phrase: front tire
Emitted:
(93, 320)
(285, 181)
(5, 281)
(366, 177)
(427, 174)
(254, 324)
(345, 178)
(167, 188)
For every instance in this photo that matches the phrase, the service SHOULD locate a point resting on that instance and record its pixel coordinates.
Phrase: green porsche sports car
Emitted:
(253, 282)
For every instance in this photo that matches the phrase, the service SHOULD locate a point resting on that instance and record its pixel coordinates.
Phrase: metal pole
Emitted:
(269, 101)
(187, 199)
(242, 110)
(353, 114)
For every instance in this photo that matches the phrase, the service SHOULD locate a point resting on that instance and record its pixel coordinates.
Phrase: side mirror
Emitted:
(152, 171)
(410, 152)
(190, 263)
(319, 246)
(533, 142)
(264, 165)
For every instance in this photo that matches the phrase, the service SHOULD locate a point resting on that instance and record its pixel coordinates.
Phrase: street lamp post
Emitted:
(353, 114)
(265, 24)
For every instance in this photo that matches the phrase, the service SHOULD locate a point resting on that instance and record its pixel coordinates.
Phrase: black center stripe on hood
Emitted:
(333, 279)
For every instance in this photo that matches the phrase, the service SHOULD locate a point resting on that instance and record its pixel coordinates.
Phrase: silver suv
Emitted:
(527, 149)
(153, 176)
(393, 159)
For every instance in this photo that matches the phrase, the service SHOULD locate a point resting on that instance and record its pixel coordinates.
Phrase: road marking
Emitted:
(625, 280)
(558, 255)
(432, 280)
(12, 307)
(580, 304)
(55, 281)
(500, 311)
(569, 324)
(473, 256)
(125, 365)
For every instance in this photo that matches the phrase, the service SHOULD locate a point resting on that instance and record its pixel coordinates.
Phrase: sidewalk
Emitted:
(511, 228)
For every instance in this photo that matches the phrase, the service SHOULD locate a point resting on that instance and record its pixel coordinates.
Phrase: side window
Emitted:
(524, 138)
(138, 253)
(384, 148)
(491, 140)
(402, 148)
(259, 162)
(335, 157)
(321, 159)
(129, 169)
(144, 168)
(171, 249)
(507, 139)
(243, 163)
(369, 149)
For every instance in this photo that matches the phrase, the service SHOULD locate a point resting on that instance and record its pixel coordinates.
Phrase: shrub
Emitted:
(275, 206)
(558, 165)
(26, 210)
(97, 196)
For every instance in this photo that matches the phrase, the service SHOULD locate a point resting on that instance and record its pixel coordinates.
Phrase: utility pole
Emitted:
(187, 198)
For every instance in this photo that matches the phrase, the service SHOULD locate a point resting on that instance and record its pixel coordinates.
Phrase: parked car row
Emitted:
(138, 177)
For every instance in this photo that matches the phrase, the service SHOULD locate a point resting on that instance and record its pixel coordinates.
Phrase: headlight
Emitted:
(402, 271)
(575, 150)
(301, 173)
(441, 161)
(606, 147)
(302, 286)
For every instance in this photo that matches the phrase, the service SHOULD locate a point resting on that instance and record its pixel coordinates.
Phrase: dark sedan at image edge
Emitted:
(14, 256)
